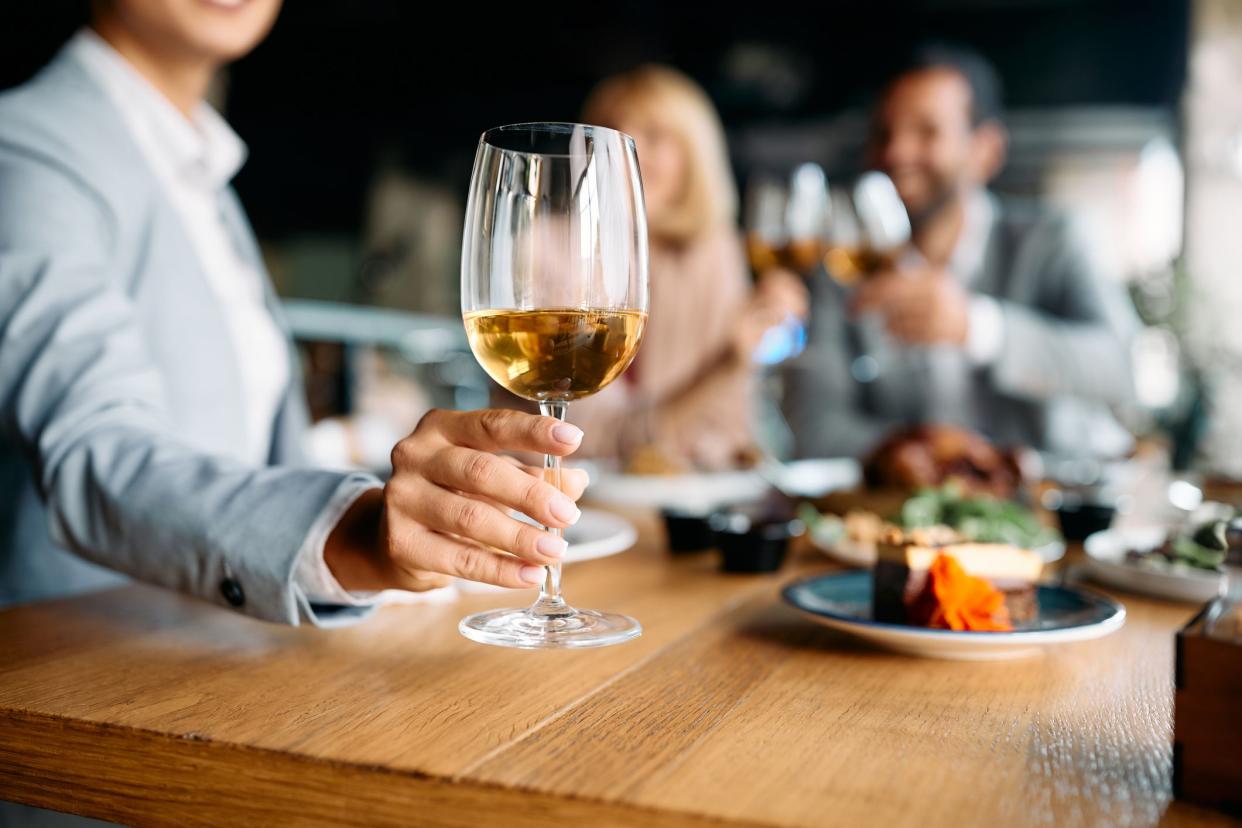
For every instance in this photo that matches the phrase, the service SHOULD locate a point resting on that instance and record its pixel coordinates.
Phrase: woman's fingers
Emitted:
(473, 519)
(448, 499)
(573, 481)
(433, 552)
(497, 429)
(480, 473)
(786, 291)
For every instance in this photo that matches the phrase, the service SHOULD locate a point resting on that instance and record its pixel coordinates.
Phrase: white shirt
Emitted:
(986, 328)
(194, 160)
(946, 376)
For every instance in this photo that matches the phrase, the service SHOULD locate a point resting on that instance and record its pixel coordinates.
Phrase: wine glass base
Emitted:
(529, 630)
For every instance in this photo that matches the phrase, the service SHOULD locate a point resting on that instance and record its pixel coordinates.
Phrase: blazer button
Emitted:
(232, 592)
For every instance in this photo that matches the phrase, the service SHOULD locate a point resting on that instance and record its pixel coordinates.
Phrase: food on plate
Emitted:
(927, 578)
(970, 518)
(953, 599)
(985, 519)
(933, 455)
(1207, 546)
(864, 527)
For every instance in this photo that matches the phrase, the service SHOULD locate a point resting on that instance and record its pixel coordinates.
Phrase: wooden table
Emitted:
(144, 707)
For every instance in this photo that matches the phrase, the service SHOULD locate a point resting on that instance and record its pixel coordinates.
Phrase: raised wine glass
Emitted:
(868, 230)
(554, 297)
(786, 219)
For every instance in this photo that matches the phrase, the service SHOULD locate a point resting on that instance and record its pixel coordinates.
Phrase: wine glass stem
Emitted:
(550, 601)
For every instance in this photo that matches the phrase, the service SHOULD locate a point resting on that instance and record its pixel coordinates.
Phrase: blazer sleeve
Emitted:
(81, 397)
(1075, 340)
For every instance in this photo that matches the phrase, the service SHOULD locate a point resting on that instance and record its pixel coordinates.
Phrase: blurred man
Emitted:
(150, 408)
(995, 316)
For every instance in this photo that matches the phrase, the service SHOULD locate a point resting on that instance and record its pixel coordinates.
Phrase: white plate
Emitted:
(846, 551)
(843, 601)
(1106, 563)
(597, 534)
(815, 477)
(683, 491)
(706, 491)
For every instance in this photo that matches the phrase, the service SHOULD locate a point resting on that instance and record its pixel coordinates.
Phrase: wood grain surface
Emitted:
(148, 708)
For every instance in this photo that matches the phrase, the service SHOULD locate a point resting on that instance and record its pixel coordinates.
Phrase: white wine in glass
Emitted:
(554, 299)
(556, 354)
(868, 230)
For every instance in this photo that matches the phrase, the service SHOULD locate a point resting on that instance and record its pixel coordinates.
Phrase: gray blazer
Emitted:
(118, 396)
(1065, 358)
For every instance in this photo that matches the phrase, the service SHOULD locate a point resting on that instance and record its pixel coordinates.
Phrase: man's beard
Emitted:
(935, 205)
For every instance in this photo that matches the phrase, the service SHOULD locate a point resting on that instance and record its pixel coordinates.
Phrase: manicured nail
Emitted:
(552, 546)
(568, 434)
(564, 510)
(532, 574)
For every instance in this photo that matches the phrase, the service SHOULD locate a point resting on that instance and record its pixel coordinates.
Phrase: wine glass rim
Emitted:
(554, 127)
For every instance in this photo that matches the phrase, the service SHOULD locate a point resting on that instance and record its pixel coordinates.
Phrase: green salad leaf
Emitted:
(1190, 551)
(981, 519)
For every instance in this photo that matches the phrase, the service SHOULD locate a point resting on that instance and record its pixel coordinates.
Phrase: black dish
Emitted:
(688, 531)
(1081, 519)
(754, 538)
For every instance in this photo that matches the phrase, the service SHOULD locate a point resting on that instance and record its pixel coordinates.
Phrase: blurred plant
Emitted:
(1164, 299)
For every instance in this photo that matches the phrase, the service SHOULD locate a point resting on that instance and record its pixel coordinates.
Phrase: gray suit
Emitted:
(119, 396)
(1064, 358)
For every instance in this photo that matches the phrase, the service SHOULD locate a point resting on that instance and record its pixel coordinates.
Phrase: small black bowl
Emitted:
(688, 531)
(753, 539)
(1081, 515)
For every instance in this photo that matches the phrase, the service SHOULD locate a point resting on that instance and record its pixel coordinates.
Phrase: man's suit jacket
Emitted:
(120, 401)
(1065, 356)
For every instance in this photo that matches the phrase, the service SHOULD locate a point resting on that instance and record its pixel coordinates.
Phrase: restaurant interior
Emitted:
(893, 347)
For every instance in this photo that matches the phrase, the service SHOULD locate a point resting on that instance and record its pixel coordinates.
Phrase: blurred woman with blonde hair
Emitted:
(687, 397)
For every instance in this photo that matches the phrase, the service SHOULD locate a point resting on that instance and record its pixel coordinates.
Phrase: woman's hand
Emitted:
(444, 511)
(779, 294)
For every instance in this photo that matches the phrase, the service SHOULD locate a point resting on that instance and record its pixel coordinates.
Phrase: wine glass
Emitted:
(868, 229)
(785, 222)
(786, 219)
(554, 298)
(868, 232)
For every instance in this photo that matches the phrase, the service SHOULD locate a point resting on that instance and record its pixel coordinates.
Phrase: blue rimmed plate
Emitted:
(843, 601)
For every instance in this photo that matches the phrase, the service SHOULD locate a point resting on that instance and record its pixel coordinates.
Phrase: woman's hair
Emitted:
(677, 104)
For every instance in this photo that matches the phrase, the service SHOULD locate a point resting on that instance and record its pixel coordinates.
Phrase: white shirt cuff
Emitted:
(986, 336)
(312, 576)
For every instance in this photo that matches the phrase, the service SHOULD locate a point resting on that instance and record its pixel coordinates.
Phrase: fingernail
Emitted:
(552, 546)
(532, 574)
(568, 434)
(564, 510)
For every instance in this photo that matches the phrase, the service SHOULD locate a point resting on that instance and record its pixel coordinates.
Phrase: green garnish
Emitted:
(981, 519)
(827, 528)
(1193, 552)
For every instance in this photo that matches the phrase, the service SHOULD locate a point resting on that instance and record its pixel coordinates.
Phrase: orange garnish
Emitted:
(953, 599)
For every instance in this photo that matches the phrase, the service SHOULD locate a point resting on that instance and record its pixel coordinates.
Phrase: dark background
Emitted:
(339, 85)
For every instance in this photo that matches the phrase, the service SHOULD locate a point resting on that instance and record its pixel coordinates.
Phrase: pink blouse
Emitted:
(687, 394)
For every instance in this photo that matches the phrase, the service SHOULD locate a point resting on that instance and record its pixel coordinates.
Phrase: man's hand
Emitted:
(922, 306)
(444, 511)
